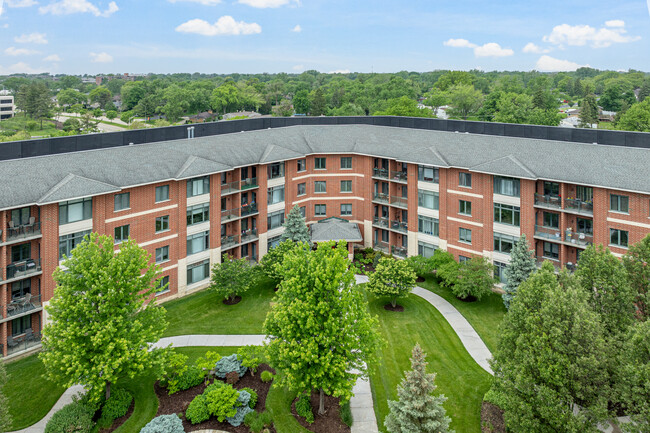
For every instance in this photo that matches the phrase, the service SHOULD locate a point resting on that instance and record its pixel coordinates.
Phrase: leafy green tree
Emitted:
(588, 111)
(301, 102)
(147, 106)
(271, 262)
(549, 359)
(225, 98)
(537, 116)
(232, 277)
(35, 100)
(454, 78)
(417, 410)
(475, 278)
(70, 82)
(404, 107)
(103, 317)
(392, 278)
(637, 118)
(283, 109)
(5, 416)
(111, 114)
(176, 103)
(347, 109)
(636, 373)
(636, 263)
(132, 92)
(97, 112)
(88, 124)
(70, 97)
(317, 104)
(100, 95)
(644, 92)
(320, 330)
(522, 264)
(295, 227)
(72, 125)
(513, 108)
(126, 116)
(465, 100)
(436, 99)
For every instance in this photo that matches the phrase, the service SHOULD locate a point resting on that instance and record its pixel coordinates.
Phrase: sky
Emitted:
(255, 36)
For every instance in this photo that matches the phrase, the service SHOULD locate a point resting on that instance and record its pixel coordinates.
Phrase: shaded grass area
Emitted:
(278, 403)
(205, 313)
(30, 396)
(485, 315)
(459, 378)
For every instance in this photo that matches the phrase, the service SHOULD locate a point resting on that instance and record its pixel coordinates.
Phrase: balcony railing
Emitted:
(399, 251)
(249, 235)
(249, 209)
(230, 214)
(554, 261)
(582, 239)
(249, 183)
(24, 268)
(21, 305)
(548, 233)
(229, 241)
(399, 176)
(399, 201)
(381, 222)
(23, 232)
(399, 226)
(579, 206)
(551, 201)
(382, 246)
(230, 187)
(381, 197)
(380, 172)
(24, 342)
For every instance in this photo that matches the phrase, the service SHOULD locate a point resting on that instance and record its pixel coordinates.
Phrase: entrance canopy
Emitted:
(335, 229)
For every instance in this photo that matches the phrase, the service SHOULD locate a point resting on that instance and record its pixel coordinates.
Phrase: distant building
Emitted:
(101, 79)
(7, 107)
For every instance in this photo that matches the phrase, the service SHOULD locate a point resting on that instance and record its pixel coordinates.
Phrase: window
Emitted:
(619, 203)
(506, 186)
(618, 237)
(506, 214)
(20, 325)
(275, 195)
(585, 193)
(273, 242)
(162, 224)
(198, 242)
(122, 201)
(499, 271)
(346, 186)
(276, 170)
(384, 235)
(428, 199)
(320, 210)
(465, 207)
(428, 174)
(346, 162)
(198, 186)
(303, 211)
(428, 226)
(302, 188)
(551, 251)
(162, 193)
(75, 210)
(585, 226)
(198, 272)
(551, 188)
(426, 250)
(21, 252)
(198, 214)
(320, 163)
(465, 179)
(121, 234)
(21, 288)
(551, 220)
(346, 209)
(463, 259)
(504, 243)
(20, 217)
(275, 220)
(320, 186)
(162, 254)
(68, 242)
(162, 286)
(301, 165)
(465, 235)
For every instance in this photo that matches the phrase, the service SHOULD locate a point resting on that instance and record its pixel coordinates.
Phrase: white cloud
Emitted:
(550, 64)
(21, 3)
(101, 58)
(298, 68)
(52, 58)
(534, 49)
(492, 49)
(18, 68)
(459, 43)
(262, 4)
(32, 38)
(67, 7)
(340, 71)
(226, 25)
(297, 29)
(581, 35)
(13, 51)
(203, 2)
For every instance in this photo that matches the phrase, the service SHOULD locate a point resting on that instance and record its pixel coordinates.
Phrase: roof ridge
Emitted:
(522, 165)
(436, 152)
(267, 151)
(67, 179)
(189, 161)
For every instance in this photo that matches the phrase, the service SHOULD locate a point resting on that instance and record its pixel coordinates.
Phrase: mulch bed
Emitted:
(470, 298)
(492, 419)
(420, 280)
(233, 301)
(329, 423)
(118, 422)
(396, 308)
(178, 402)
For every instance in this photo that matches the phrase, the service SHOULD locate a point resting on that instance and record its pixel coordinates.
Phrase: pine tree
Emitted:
(588, 111)
(5, 417)
(522, 264)
(295, 227)
(417, 410)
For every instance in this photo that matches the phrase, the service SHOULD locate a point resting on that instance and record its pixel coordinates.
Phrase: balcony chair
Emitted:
(29, 334)
(11, 342)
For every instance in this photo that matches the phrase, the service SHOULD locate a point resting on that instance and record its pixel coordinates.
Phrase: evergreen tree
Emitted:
(644, 92)
(522, 264)
(588, 111)
(295, 228)
(417, 410)
(318, 106)
(5, 417)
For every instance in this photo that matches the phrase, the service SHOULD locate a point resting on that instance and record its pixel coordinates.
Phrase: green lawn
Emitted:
(485, 315)
(458, 376)
(205, 313)
(30, 396)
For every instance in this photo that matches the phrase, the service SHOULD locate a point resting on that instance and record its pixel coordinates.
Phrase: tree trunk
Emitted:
(108, 390)
(321, 403)
(393, 302)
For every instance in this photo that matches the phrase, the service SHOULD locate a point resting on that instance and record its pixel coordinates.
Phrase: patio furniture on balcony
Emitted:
(23, 268)
(399, 176)
(249, 209)
(381, 222)
(399, 226)
(579, 206)
(549, 201)
(30, 229)
(381, 197)
(382, 246)
(229, 241)
(248, 235)
(580, 239)
(20, 343)
(548, 233)
(22, 305)
(399, 251)
(11, 343)
(380, 172)
(249, 183)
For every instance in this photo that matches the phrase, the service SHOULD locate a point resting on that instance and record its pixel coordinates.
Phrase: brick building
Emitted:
(189, 201)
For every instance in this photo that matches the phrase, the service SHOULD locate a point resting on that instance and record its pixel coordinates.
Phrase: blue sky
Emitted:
(249, 36)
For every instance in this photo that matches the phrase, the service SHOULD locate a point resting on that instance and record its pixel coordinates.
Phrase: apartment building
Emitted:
(7, 108)
(189, 201)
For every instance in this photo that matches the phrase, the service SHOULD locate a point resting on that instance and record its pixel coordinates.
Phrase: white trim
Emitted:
(506, 229)
(198, 228)
(469, 194)
(429, 186)
(275, 207)
(347, 174)
(76, 227)
(155, 241)
(325, 198)
(458, 220)
(431, 213)
(138, 214)
(629, 223)
(506, 199)
(169, 268)
(467, 250)
(272, 183)
(198, 199)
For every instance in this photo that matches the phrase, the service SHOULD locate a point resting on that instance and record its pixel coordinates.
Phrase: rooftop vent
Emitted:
(190, 132)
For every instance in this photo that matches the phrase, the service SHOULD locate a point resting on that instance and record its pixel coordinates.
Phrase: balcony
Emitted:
(554, 261)
(21, 306)
(399, 176)
(382, 246)
(399, 251)
(230, 241)
(548, 201)
(548, 233)
(249, 235)
(249, 209)
(229, 188)
(402, 202)
(19, 233)
(578, 206)
(23, 269)
(578, 239)
(380, 222)
(381, 173)
(249, 183)
(381, 198)
(22, 343)
(229, 215)
(399, 226)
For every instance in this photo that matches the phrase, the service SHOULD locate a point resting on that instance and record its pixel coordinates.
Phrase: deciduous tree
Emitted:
(475, 278)
(392, 278)
(465, 100)
(232, 277)
(636, 263)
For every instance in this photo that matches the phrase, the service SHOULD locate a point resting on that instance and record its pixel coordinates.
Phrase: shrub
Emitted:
(177, 375)
(232, 377)
(266, 376)
(72, 418)
(475, 278)
(242, 409)
(191, 377)
(441, 258)
(267, 418)
(420, 265)
(164, 424)
(303, 408)
(207, 362)
(375, 260)
(448, 274)
(31, 126)
(346, 413)
(392, 278)
(221, 401)
(227, 364)
(257, 421)
(251, 357)
(197, 411)
(253, 401)
(115, 407)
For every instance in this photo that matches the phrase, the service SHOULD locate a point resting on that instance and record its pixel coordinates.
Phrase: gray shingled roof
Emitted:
(62, 177)
(335, 229)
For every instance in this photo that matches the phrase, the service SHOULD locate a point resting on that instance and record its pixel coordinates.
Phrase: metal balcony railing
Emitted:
(23, 232)
(229, 241)
(230, 214)
(399, 201)
(249, 235)
(399, 251)
(551, 201)
(553, 260)
(579, 206)
(249, 209)
(380, 172)
(20, 305)
(24, 342)
(399, 176)
(249, 183)
(23, 268)
(548, 233)
(382, 246)
(400, 226)
(582, 239)
(381, 222)
(229, 187)
(381, 197)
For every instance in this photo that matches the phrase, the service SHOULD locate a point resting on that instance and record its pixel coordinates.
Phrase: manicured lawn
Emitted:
(30, 395)
(484, 315)
(458, 376)
(278, 402)
(205, 313)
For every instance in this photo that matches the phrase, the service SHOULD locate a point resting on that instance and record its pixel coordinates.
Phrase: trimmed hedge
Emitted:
(227, 364)
(115, 407)
(303, 408)
(266, 376)
(72, 418)
(197, 411)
